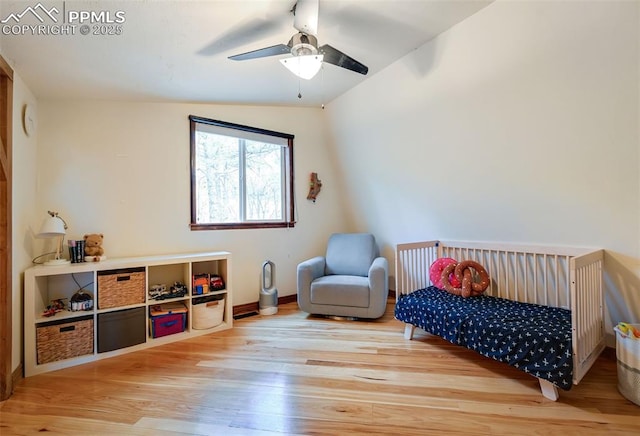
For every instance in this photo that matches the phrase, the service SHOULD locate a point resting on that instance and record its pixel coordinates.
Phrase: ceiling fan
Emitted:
(303, 46)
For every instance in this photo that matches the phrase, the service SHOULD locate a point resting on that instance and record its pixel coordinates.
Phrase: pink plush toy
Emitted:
(435, 272)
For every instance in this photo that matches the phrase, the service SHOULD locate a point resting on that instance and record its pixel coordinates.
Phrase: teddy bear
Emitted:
(93, 244)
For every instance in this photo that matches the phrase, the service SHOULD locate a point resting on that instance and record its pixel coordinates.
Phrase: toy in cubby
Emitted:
(200, 284)
(205, 283)
(160, 292)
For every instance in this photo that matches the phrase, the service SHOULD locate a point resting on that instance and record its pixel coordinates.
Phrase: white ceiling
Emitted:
(177, 50)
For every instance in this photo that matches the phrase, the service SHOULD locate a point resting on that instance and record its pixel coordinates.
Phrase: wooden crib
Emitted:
(568, 278)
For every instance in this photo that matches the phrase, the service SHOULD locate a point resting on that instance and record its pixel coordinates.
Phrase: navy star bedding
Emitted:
(535, 339)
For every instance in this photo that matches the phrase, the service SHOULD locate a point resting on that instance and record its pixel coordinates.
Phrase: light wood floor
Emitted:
(297, 374)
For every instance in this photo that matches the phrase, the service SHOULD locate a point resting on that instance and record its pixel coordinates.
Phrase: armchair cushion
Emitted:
(350, 254)
(341, 291)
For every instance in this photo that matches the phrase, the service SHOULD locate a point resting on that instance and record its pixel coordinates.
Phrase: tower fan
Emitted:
(268, 302)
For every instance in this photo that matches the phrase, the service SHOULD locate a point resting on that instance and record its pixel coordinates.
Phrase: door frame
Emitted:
(6, 271)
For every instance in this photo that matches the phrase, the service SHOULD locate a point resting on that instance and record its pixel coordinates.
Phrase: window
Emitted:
(241, 177)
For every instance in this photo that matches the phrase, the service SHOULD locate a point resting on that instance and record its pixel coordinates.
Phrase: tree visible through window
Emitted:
(241, 176)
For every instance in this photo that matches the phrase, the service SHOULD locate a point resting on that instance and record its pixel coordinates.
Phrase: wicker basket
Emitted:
(64, 340)
(118, 288)
(628, 357)
(208, 314)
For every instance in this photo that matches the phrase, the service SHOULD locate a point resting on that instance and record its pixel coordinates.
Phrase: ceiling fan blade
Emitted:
(274, 50)
(336, 57)
(306, 16)
(241, 35)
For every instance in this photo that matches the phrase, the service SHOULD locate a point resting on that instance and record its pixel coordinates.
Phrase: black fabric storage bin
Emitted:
(121, 329)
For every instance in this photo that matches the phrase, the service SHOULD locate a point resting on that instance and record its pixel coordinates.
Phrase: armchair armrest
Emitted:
(379, 274)
(309, 270)
(379, 285)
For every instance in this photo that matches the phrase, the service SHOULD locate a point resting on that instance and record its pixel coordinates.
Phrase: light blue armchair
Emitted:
(352, 280)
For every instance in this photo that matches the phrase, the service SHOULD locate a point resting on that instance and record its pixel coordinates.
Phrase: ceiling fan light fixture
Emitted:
(302, 44)
(303, 50)
(305, 67)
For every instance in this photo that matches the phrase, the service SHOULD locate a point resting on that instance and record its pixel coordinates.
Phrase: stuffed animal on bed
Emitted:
(435, 272)
(462, 272)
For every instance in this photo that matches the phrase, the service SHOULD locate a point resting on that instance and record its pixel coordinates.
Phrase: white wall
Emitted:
(24, 201)
(122, 169)
(519, 124)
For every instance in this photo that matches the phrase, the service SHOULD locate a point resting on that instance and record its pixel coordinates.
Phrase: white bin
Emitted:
(208, 315)
(628, 357)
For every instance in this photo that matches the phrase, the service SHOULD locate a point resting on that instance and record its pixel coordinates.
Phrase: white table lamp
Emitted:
(54, 227)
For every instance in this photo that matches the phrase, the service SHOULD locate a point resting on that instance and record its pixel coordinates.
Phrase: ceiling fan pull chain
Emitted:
(299, 93)
(322, 84)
